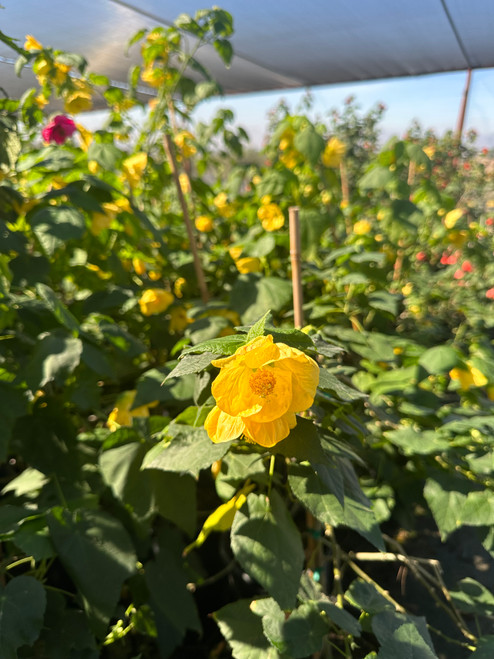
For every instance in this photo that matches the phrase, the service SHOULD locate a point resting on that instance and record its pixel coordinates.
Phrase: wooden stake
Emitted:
(170, 154)
(298, 301)
(463, 107)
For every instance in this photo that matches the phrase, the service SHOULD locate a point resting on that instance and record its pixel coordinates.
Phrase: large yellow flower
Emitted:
(122, 414)
(155, 300)
(184, 142)
(258, 391)
(133, 168)
(248, 264)
(472, 377)
(333, 153)
(271, 217)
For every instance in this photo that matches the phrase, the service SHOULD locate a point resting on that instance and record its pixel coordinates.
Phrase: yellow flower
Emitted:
(178, 286)
(183, 141)
(458, 238)
(60, 73)
(235, 252)
(42, 68)
(204, 223)
(139, 266)
(256, 179)
(155, 300)
(258, 391)
(122, 414)
(326, 197)
(333, 153)
(86, 138)
(429, 151)
(133, 168)
(184, 183)
(41, 101)
(154, 275)
(286, 139)
(93, 167)
(248, 264)
(362, 227)
(290, 158)
(407, 289)
(79, 100)
(271, 217)
(451, 218)
(222, 518)
(468, 378)
(153, 77)
(100, 222)
(178, 319)
(224, 208)
(31, 43)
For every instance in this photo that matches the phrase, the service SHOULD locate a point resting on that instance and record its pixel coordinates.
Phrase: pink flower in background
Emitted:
(59, 129)
(459, 274)
(421, 256)
(490, 294)
(466, 266)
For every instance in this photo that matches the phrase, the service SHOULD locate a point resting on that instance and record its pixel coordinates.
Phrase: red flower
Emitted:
(466, 266)
(485, 151)
(489, 221)
(467, 166)
(459, 274)
(421, 256)
(490, 294)
(59, 129)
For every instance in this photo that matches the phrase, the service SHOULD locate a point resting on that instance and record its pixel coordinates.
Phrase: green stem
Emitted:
(271, 473)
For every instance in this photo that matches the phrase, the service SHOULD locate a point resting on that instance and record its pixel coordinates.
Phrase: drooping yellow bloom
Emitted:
(178, 319)
(139, 266)
(80, 99)
(122, 414)
(183, 141)
(155, 300)
(259, 390)
(184, 183)
(222, 518)
(468, 378)
(362, 227)
(333, 152)
(451, 218)
(224, 208)
(204, 223)
(271, 217)
(133, 168)
(32, 44)
(248, 264)
(178, 286)
(235, 252)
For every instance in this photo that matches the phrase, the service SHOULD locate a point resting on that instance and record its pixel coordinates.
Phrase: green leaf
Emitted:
(226, 345)
(364, 596)
(313, 224)
(22, 606)
(253, 295)
(439, 359)
(298, 635)
(61, 313)
(473, 597)
(55, 356)
(13, 404)
(191, 364)
(28, 481)
(106, 155)
(309, 143)
(225, 50)
(98, 555)
(415, 442)
(340, 617)
(317, 493)
(375, 178)
(273, 182)
(190, 451)
(151, 387)
(55, 225)
(149, 491)
(446, 502)
(243, 631)
(170, 599)
(329, 382)
(267, 544)
(257, 328)
(485, 648)
(405, 641)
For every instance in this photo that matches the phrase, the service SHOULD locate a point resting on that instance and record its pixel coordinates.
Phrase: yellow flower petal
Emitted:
(269, 434)
(221, 427)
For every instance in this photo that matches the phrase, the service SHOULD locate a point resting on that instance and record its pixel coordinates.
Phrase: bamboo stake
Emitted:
(170, 154)
(463, 107)
(298, 301)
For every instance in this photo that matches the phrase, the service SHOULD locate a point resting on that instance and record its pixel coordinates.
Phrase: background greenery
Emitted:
(369, 533)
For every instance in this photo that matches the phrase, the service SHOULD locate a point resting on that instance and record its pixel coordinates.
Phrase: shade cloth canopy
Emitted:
(285, 44)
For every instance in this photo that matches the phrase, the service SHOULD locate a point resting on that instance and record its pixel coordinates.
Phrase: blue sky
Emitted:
(433, 100)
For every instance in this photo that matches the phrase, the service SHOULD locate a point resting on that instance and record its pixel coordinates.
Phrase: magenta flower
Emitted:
(59, 129)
